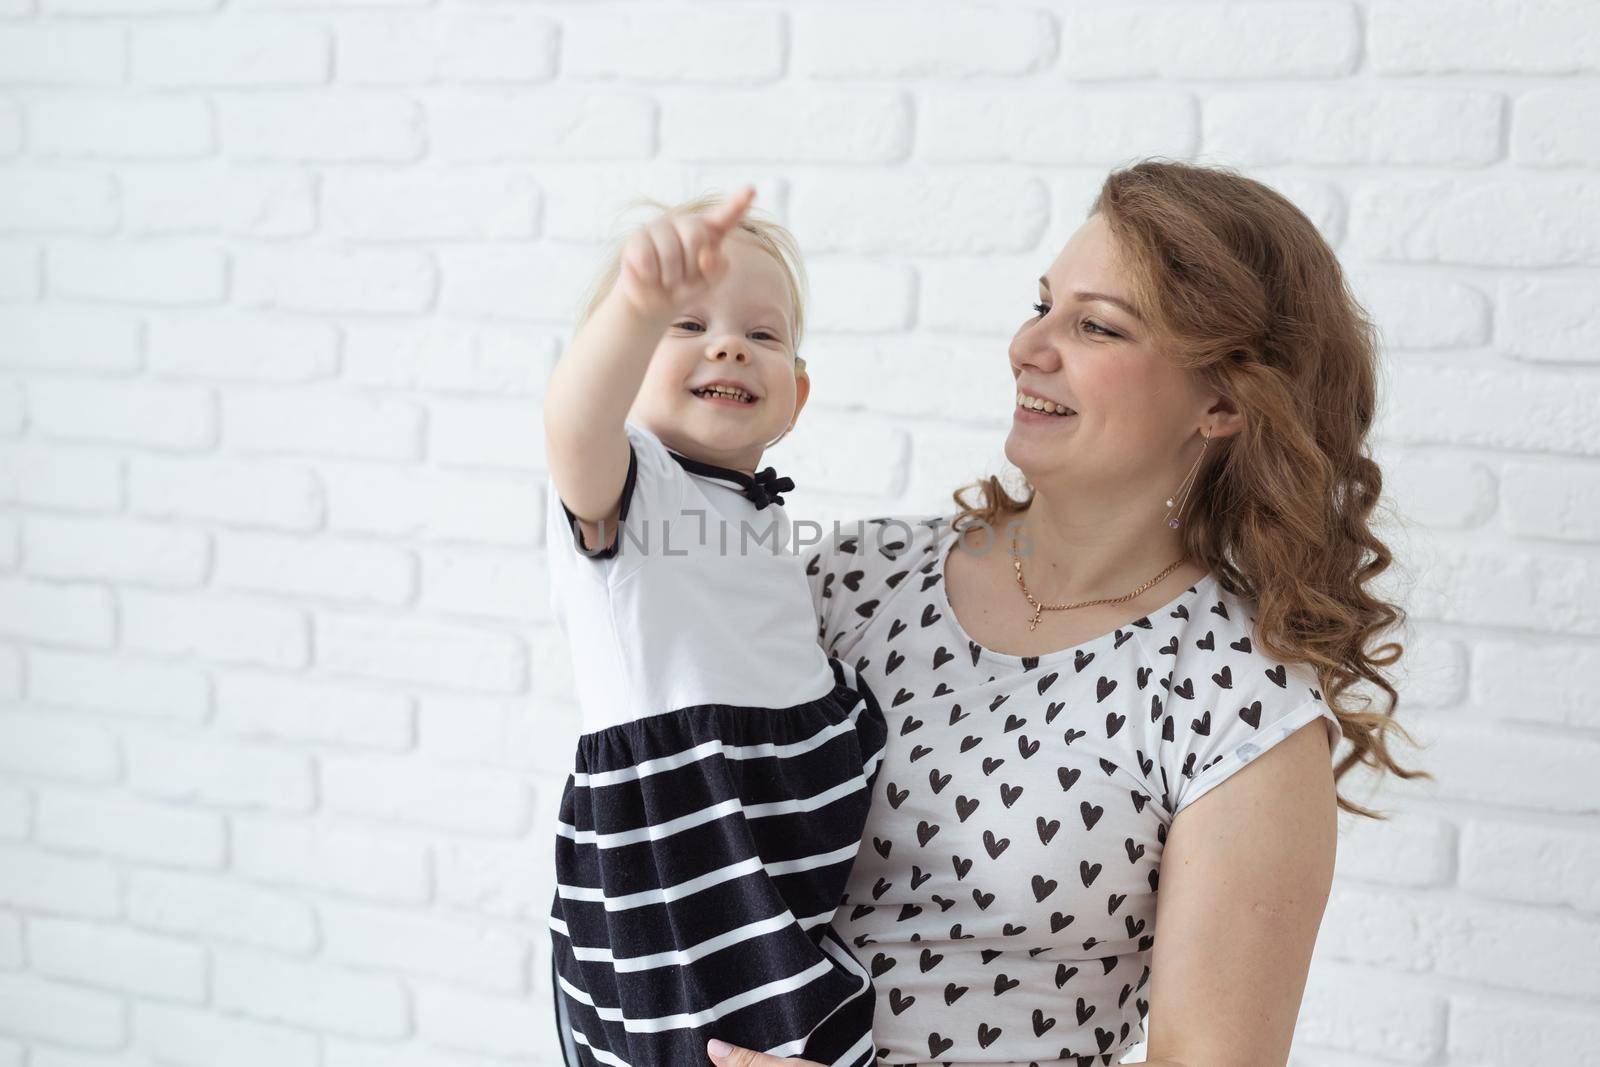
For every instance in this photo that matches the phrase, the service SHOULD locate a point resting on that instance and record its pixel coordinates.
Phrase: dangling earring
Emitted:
(1187, 481)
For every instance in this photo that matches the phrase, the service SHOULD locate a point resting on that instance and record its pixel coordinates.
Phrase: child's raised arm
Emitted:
(664, 263)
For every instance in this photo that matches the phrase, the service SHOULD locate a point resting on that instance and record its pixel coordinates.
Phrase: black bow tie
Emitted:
(762, 489)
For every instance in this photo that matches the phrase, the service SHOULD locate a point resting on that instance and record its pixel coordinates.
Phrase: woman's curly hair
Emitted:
(1243, 291)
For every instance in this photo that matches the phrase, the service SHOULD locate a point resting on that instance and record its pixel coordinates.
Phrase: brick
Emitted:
(442, 355)
(53, 884)
(239, 346)
(1420, 311)
(559, 124)
(1410, 850)
(1536, 681)
(513, 587)
(45, 200)
(118, 825)
(1490, 36)
(849, 296)
(239, 52)
(310, 995)
(139, 274)
(322, 422)
(1209, 40)
(335, 279)
(1548, 320)
(1556, 127)
(452, 46)
(1501, 1029)
(307, 127)
(363, 862)
(900, 41)
(500, 878)
(493, 282)
(55, 746)
(118, 686)
(648, 44)
(122, 127)
(480, 1023)
(261, 493)
(122, 551)
(80, 339)
(423, 207)
(315, 569)
(1497, 854)
(263, 705)
(807, 125)
(429, 504)
(190, 1037)
(69, 479)
(215, 628)
(1340, 127)
(129, 960)
(57, 1012)
(1467, 406)
(229, 774)
(888, 213)
(239, 201)
(485, 433)
(460, 951)
(152, 415)
(1521, 223)
(419, 651)
(59, 55)
(77, 614)
(1060, 127)
(474, 801)
(221, 909)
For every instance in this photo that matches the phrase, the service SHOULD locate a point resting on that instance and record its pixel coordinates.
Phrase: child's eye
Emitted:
(686, 323)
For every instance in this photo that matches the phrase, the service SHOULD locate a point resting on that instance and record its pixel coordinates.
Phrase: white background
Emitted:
(283, 715)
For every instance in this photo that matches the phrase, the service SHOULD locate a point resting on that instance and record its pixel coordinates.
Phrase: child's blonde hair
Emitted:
(772, 237)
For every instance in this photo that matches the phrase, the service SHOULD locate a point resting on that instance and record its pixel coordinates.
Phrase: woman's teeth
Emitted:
(1048, 407)
(732, 394)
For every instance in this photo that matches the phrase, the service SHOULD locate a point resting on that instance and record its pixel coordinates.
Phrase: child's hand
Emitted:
(673, 258)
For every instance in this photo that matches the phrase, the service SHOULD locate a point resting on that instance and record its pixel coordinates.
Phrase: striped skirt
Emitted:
(700, 856)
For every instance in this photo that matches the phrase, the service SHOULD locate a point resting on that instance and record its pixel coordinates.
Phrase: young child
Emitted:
(725, 765)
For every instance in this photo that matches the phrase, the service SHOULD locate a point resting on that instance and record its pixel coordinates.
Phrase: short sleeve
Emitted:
(652, 491)
(1214, 739)
(855, 568)
(827, 565)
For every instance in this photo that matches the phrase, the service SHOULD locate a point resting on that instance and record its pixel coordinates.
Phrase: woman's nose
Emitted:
(1027, 352)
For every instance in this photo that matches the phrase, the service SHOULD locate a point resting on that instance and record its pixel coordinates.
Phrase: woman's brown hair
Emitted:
(1243, 291)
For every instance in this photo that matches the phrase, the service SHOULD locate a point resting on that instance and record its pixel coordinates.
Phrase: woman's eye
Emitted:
(1099, 328)
(1041, 308)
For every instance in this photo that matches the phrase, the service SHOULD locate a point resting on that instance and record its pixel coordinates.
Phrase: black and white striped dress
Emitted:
(720, 786)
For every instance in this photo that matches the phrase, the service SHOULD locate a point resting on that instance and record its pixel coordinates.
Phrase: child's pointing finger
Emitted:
(726, 215)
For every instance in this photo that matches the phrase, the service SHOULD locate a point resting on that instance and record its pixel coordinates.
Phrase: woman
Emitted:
(1065, 674)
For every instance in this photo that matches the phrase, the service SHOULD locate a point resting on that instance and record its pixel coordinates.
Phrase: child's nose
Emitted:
(726, 349)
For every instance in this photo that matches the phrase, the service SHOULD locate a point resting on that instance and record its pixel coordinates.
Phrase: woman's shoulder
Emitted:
(1213, 650)
(875, 548)
(857, 565)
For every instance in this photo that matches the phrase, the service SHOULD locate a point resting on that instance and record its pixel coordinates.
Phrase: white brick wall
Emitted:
(283, 715)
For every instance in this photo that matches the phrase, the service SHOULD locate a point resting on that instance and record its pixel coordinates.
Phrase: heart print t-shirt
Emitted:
(1004, 896)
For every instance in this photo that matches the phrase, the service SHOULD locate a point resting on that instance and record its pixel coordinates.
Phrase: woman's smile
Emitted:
(1025, 414)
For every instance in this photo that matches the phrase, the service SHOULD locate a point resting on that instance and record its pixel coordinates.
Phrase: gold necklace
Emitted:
(1039, 609)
